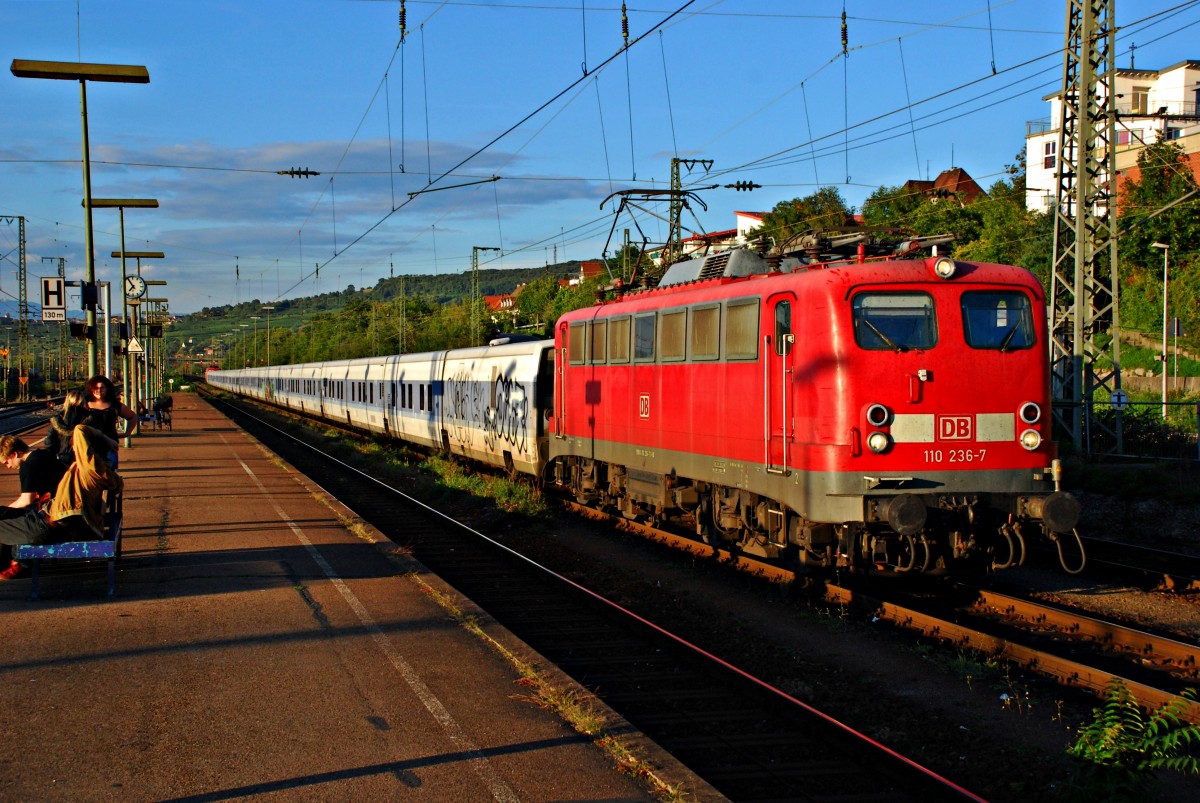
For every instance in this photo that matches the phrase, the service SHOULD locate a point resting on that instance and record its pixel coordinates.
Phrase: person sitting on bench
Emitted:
(39, 471)
(76, 512)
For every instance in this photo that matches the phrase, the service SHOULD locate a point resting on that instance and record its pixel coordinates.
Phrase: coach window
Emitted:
(577, 343)
(783, 327)
(1000, 319)
(672, 337)
(741, 330)
(643, 338)
(618, 340)
(599, 341)
(704, 330)
(894, 321)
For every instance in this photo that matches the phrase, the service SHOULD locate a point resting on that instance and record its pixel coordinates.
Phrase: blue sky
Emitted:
(536, 93)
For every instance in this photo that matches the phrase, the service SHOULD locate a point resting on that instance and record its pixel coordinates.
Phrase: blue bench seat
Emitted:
(109, 548)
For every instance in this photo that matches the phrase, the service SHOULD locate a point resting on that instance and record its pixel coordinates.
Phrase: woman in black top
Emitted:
(104, 409)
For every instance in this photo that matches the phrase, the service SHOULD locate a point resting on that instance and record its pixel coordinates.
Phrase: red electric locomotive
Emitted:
(886, 416)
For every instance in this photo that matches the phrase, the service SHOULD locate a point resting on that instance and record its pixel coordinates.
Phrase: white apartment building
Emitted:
(1151, 105)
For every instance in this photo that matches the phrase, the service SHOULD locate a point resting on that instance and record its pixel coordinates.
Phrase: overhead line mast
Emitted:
(1083, 276)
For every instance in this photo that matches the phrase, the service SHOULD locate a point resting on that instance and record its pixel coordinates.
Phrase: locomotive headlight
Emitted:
(944, 267)
(878, 442)
(1030, 413)
(878, 415)
(1031, 439)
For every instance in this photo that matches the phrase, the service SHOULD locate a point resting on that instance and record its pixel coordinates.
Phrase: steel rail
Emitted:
(1066, 671)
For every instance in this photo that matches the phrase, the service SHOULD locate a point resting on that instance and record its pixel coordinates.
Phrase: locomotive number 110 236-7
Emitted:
(955, 455)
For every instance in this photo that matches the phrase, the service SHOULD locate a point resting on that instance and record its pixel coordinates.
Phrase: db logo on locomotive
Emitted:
(954, 427)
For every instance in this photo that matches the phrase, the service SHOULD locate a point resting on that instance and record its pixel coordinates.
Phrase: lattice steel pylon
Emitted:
(1083, 278)
(476, 299)
(674, 246)
(24, 359)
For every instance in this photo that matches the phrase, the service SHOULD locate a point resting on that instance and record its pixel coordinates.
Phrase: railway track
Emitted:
(747, 739)
(17, 419)
(1155, 568)
(1074, 648)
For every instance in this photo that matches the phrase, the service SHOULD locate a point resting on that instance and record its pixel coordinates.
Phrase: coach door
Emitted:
(778, 343)
(560, 381)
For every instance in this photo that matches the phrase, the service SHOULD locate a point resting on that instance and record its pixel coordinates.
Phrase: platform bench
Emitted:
(108, 548)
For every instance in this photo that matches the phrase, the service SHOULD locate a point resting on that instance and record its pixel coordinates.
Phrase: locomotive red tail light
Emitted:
(944, 267)
(1031, 439)
(1030, 413)
(878, 415)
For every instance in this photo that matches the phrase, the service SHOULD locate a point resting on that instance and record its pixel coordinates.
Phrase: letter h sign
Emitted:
(54, 299)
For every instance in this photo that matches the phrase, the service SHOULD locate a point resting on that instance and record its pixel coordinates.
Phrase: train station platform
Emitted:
(256, 646)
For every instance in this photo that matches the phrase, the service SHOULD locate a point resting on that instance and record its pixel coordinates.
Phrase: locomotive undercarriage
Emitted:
(901, 535)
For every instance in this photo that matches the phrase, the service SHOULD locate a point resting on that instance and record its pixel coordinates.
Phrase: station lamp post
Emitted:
(160, 306)
(256, 319)
(233, 347)
(1166, 249)
(133, 291)
(268, 309)
(77, 71)
(120, 204)
(153, 352)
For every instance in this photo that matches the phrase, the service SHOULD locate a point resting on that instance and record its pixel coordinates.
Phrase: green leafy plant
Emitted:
(1123, 747)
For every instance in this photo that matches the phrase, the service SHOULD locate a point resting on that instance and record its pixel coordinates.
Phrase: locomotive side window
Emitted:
(741, 330)
(599, 341)
(618, 340)
(643, 338)
(577, 343)
(783, 327)
(704, 333)
(999, 319)
(894, 321)
(673, 334)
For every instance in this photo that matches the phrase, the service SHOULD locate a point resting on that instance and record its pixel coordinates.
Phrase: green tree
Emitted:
(891, 206)
(822, 209)
(536, 301)
(1008, 233)
(1164, 177)
(629, 261)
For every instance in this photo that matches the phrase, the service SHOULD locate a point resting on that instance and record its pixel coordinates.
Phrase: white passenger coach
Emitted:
(480, 403)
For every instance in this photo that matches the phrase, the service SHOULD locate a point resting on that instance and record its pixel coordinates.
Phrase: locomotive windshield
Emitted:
(894, 321)
(998, 319)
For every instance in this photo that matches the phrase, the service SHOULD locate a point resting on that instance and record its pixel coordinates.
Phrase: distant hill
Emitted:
(443, 289)
(190, 334)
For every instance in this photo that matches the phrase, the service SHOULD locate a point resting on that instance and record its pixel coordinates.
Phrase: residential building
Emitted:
(953, 183)
(1151, 105)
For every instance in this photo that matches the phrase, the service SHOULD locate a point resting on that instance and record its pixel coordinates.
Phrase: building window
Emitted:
(1048, 156)
(1124, 137)
(1141, 95)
